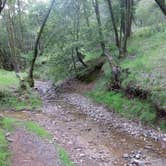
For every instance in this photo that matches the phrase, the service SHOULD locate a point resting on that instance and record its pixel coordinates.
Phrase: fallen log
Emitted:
(92, 70)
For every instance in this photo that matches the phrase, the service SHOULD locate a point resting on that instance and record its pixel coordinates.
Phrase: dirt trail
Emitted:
(29, 150)
(89, 141)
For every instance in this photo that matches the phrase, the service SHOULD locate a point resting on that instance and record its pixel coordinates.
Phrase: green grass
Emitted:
(35, 128)
(4, 151)
(18, 101)
(6, 125)
(64, 157)
(8, 80)
(132, 109)
(28, 101)
(148, 67)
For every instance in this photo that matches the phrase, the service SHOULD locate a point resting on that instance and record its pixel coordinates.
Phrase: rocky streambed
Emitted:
(92, 135)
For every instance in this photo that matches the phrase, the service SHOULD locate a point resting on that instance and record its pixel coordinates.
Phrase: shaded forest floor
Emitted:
(90, 134)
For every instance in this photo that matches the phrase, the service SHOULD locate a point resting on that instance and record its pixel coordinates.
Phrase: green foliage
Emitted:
(148, 13)
(107, 70)
(92, 55)
(35, 128)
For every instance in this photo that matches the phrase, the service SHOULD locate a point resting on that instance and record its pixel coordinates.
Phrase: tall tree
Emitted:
(8, 17)
(30, 77)
(98, 17)
(162, 5)
(21, 39)
(123, 32)
(114, 23)
(77, 31)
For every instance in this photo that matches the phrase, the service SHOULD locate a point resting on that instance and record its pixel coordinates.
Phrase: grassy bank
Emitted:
(132, 109)
(147, 66)
(8, 80)
(12, 98)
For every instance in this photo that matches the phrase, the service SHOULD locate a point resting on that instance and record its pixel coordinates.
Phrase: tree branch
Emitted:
(162, 5)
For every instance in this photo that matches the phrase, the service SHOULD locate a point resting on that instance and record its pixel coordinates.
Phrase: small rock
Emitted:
(164, 139)
(137, 156)
(125, 155)
(9, 139)
(82, 155)
(7, 134)
(137, 162)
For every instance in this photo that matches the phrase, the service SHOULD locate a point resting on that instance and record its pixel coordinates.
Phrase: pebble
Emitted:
(7, 134)
(125, 155)
(137, 156)
(101, 114)
(82, 155)
(9, 139)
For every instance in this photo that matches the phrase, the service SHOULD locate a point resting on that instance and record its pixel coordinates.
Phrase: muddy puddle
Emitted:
(21, 115)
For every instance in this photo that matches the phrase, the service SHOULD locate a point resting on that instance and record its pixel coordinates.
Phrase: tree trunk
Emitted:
(73, 60)
(162, 5)
(11, 39)
(125, 27)
(30, 77)
(77, 26)
(114, 23)
(21, 39)
(97, 12)
(2, 5)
